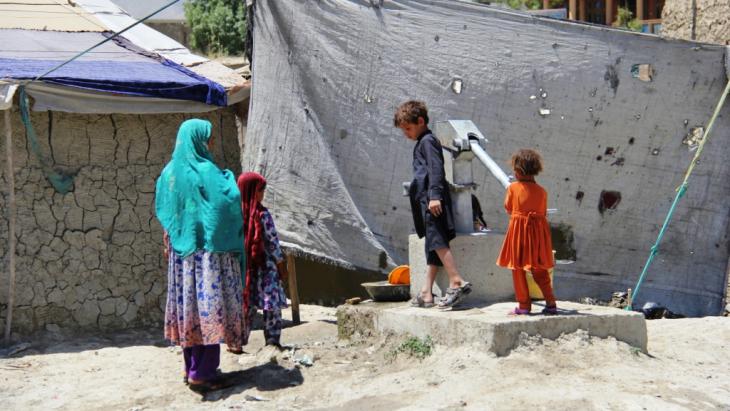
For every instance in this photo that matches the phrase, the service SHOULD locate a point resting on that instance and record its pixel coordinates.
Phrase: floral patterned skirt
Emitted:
(204, 299)
(268, 291)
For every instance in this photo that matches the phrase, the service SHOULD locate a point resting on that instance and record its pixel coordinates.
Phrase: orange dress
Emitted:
(528, 244)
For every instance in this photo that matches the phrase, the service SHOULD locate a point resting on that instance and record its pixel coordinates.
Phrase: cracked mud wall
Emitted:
(92, 259)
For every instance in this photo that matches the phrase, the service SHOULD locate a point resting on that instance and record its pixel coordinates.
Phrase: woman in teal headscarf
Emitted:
(199, 207)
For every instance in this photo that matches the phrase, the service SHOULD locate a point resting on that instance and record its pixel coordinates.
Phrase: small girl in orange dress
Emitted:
(527, 245)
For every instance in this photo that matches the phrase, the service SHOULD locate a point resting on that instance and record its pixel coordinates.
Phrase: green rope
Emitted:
(60, 181)
(681, 190)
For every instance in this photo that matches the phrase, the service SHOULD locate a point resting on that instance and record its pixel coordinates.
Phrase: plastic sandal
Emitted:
(418, 301)
(217, 383)
(550, 310)
(218, 372)
(453, 296)
(519, 311)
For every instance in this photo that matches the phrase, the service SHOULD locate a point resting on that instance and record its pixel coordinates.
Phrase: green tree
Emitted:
(625, 20)
(218, 27)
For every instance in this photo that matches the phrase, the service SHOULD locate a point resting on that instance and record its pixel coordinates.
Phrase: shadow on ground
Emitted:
(266, 377)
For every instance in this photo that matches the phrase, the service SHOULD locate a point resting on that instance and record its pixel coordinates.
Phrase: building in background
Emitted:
(647, 12)
(170, 21)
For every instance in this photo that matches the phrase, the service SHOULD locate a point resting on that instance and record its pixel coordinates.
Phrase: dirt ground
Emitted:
(686, 369)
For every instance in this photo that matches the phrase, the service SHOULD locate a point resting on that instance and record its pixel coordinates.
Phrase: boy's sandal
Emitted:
(550, 310)
(453, 296)
(235, 352)
(418, 301)
(519, 311)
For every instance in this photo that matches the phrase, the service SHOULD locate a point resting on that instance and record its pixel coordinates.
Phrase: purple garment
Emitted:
(202, 361)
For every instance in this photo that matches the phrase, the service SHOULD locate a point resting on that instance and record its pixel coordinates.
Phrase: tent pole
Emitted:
(11, 223)
(293, 289)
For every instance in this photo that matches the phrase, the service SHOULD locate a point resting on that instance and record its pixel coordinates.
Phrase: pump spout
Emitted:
(491, 165)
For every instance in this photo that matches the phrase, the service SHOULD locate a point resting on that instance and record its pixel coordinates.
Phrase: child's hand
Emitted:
(434, 206)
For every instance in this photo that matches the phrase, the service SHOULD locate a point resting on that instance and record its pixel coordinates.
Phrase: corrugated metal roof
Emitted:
(57, 15)
(36, 35)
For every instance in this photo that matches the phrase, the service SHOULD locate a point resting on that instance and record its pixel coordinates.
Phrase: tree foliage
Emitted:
(218, 27)
(625, 20)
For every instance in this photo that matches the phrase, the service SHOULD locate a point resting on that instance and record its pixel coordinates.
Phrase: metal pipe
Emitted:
(491, 165)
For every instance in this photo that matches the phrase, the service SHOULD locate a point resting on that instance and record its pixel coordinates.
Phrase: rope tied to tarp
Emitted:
(60, 181)
(681, 191)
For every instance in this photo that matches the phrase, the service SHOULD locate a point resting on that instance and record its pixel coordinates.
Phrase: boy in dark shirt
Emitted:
(431, 205)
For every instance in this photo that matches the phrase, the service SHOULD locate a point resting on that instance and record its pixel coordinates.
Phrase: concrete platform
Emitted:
(489, 325)
(476, 255)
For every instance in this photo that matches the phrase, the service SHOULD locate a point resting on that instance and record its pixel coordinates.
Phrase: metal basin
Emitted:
(384, 291)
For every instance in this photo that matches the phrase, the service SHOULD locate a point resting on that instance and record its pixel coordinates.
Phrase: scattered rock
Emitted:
(269, 354)
(619, 299)
(304, 358)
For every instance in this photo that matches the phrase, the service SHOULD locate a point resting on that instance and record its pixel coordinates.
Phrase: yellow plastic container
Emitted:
(534, 289)
(532, 286)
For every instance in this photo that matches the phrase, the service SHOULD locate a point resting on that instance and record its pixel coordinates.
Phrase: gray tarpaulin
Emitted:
(328, 74)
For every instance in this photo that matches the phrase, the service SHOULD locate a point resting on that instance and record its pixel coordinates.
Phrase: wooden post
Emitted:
(640, 9)
(572, 9)
(293, 291)
(545, 4)
(652, 10)
(582, 11)
(11, 222)
(609, 12)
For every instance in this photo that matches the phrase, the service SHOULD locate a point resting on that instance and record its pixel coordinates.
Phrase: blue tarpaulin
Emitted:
(149, 79)
(112, 68)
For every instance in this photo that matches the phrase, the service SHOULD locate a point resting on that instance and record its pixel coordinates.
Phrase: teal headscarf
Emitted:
(197, 203)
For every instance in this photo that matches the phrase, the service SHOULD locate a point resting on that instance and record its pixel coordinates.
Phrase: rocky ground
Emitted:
(686, 369)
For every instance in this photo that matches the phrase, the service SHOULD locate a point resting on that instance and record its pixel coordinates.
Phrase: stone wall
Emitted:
(176, 30)
(92, 259)
(712, 21)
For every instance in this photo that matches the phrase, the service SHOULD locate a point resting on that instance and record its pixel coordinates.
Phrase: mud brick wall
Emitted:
(92, 258)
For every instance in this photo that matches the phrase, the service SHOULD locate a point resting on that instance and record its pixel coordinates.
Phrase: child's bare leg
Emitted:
(447, 258)
(427, 290)
(542, 278)
(522, 293)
